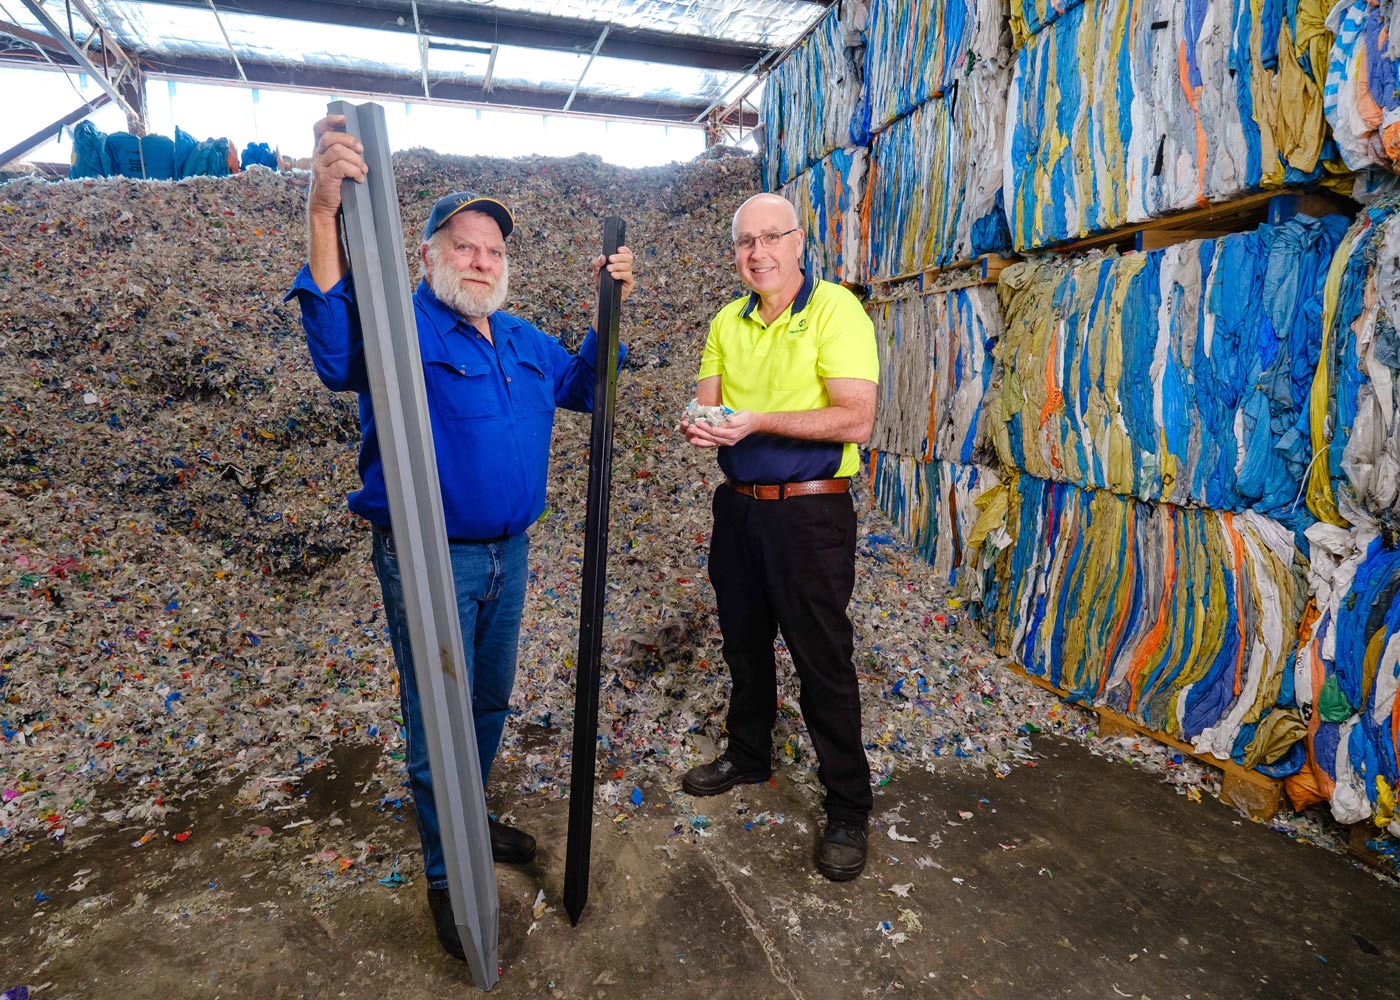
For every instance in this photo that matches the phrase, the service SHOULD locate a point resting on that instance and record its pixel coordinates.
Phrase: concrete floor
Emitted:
(1076, 878)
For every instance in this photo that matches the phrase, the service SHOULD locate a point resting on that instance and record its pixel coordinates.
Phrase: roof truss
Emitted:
(434, 24)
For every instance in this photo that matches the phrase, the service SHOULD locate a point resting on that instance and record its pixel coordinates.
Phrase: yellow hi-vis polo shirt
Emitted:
(780, 368)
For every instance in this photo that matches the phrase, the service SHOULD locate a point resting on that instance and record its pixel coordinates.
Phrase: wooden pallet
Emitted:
(1213, 221)
(1206, 223)
(1256, 795)
(984, 270)
(1357, 837)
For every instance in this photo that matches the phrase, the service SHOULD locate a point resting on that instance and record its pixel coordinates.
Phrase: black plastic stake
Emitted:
(595, 565)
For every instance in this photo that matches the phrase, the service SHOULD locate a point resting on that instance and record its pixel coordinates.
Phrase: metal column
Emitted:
(374, 242)
(595, 565)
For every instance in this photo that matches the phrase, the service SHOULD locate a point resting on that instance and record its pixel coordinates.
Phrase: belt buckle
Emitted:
(767, 491)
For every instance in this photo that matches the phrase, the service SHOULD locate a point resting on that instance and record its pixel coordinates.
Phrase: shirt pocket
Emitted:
(793, 364)
(533, 386)
(462, 391)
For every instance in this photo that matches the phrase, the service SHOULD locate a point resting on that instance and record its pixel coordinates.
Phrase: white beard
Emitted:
(447, 286)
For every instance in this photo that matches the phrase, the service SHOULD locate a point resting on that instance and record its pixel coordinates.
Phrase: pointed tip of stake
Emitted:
(574, 908)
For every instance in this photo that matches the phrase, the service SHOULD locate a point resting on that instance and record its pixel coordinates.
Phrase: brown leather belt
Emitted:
(781, 491)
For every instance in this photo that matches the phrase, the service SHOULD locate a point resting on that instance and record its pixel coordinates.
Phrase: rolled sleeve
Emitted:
(573, 385)
(333, 336)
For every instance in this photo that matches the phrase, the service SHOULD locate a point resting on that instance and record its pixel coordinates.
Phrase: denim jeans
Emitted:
(489, 580)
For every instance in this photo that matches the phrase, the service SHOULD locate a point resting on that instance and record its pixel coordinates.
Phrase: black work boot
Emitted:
(841, 856)
(440, 904)
(510, 846)
(719, 775)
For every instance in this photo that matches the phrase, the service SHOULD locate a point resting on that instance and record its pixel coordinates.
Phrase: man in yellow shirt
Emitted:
(796, 362)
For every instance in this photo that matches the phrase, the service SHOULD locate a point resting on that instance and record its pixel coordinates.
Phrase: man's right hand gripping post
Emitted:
(337, 157)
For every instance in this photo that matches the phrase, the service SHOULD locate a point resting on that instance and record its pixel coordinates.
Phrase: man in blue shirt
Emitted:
(493, 382)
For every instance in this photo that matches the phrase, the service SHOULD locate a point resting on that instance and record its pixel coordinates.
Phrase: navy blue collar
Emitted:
(798, 304)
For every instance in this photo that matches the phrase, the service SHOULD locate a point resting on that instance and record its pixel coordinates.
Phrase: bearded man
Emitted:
(493, 382)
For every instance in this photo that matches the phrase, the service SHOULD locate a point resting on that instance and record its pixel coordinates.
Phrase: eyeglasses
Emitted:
(769, 240)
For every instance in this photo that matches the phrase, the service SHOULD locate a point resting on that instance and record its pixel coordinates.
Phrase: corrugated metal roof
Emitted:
(678, 53)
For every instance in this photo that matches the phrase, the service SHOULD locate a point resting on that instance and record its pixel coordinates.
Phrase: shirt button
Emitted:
(507, 378)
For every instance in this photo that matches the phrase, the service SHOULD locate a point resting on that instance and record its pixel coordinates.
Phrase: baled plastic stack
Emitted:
(1348, 670)
(813, 102)
(1030, 16)
(1354, 409)
(936, 364)
(1185, 620)
(1362, 101)
(1348, 677)
(918, 51)
(935, 180)
(1181, 375)
(827, 198)
(1121, 112)
(932, 504)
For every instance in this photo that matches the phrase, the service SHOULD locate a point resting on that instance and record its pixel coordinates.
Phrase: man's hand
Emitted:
(620, 267)
(337, 157)
(739, 426)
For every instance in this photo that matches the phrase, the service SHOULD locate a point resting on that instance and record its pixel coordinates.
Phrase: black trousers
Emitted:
(790, 565)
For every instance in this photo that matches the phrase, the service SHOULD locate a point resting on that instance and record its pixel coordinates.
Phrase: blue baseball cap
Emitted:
(467, 201)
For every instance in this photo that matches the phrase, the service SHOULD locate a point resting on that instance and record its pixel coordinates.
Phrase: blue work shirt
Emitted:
(491, 406)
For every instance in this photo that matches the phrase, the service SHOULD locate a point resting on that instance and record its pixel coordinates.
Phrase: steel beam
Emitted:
(497, 26)
(383, 295)
(228, 44)
(588, 670)
(422, 49)
(80, 57)
(32, 37)
(586, 67)
(411, 87)
(132, 84)
(52, 129)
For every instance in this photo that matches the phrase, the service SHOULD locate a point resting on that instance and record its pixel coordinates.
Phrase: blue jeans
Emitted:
(489, 580)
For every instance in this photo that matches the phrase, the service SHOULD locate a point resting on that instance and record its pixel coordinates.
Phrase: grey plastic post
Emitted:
(374, 242)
